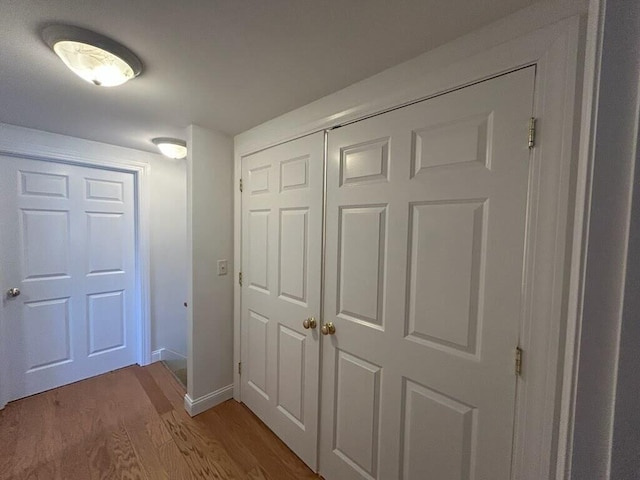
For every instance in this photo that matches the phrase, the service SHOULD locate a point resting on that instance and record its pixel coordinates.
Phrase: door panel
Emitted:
(72, 234)
(445, 237)
(281, 254)
(52, 261)
(356, 423)
(47, 334)
(426, 210)
(258, 233)
(105, 252)
(291, 360)
(257, 355)
(106, 320)
(293, 268)
(362, 239)
(438, 434)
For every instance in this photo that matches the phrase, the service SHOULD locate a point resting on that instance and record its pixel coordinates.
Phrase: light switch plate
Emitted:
(222, 267)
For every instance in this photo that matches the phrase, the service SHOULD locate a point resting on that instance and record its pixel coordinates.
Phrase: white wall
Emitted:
(168, 255)
(210, 238)
(606, 436)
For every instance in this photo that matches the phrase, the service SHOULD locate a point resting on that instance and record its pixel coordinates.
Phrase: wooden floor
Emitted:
(130, 424)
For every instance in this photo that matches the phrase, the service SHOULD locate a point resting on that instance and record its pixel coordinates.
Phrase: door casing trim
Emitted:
(552, 42)
(32, 144)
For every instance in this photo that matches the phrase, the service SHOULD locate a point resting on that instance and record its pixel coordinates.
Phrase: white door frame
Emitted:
(550, 37)
(37, 145)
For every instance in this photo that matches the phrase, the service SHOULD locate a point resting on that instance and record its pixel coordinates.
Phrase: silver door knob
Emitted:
(13, 292)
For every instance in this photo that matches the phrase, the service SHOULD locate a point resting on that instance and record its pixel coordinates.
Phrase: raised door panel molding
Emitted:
(47, 330)
(105, 242)
(365, 163)
(104, 190)
(444, 309)
(293, 255)
(46, 237)
(357, 413)
(257, 353)
(259, 250)
(106, 322)
(44, 184)
(259, 180)
(291, 381)
(362, 244)
(463, 142)
(294, 173)
(438, 435)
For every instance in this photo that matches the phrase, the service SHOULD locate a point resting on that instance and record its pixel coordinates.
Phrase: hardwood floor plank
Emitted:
(36, 456)
(111, 428)
(174, 463)
(125, 407)
(71, 420)
(258, 473)
(127, 463)
(155, 394)
(206, 457)
(147, 450)
(233, 425)
(157, 432)
(238, 449)
(261, 438)
(10, 428)
(101, 465)
(168, 384)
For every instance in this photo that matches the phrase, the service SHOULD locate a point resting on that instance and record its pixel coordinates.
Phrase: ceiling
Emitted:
(226, 65)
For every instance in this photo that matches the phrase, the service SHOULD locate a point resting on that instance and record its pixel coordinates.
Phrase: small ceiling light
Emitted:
(171, 147)
(93, 57)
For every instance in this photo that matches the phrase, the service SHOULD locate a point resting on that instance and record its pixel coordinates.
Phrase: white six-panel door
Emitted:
(426, 210)
(281, 254)
(68, 243)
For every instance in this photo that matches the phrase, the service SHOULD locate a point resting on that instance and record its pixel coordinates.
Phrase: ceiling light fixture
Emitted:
(93, 57)
(171, 147)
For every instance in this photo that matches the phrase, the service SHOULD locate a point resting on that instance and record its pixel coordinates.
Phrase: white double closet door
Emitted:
(425, 234)
(281, 245)
(68, 244)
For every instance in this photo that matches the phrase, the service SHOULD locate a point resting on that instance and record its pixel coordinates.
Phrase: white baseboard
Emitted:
(210, 400)
(165, 354)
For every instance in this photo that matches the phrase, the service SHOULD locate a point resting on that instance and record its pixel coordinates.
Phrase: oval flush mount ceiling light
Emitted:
(93, 57)
(171, 147)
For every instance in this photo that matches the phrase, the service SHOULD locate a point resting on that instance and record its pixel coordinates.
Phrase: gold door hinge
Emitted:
(239, 368)
(518, 361)
(240, 278)
(240, 185)
(532, 132)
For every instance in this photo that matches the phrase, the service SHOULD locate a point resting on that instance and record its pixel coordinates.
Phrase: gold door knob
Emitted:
(328, 328)
(310, 323)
